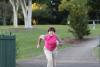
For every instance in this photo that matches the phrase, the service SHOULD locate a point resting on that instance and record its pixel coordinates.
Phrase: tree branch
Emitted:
(23, 6)
(12, 2)
(17, 5)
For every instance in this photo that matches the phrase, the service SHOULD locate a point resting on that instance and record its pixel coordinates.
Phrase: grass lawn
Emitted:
(97, 52)
(96, 31)
(27, 39)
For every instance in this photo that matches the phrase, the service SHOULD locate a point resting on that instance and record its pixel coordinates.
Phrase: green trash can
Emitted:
(7, 51)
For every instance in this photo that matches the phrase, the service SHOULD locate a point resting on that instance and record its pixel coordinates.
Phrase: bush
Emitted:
(78, 17)
(79, 22)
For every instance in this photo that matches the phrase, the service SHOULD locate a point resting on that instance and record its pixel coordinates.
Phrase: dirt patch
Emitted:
(76, 41)
(71, 41)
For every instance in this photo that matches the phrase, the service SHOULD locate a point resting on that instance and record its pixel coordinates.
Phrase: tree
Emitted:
(78, 17)
(95, 4)
(54, 6)
(42, 1)
(3, 11)
(15, 5)
(40, 10)
(94, 12)
(27, 12)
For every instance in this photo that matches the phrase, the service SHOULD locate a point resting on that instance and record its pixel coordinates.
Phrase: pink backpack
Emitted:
(50, 42)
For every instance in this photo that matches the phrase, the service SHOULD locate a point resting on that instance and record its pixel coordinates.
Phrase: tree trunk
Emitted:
(15, 21)
(27, 12)
(23, 6)
(30, 14)
(15, 10)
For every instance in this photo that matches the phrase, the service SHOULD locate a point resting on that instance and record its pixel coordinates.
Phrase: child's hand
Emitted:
(38, 46)
(61, 43)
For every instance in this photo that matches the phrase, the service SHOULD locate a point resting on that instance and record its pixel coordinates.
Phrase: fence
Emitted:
(94, 23)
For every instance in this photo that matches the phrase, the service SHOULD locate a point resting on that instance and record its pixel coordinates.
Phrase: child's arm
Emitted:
(59, 40)
(39, 40)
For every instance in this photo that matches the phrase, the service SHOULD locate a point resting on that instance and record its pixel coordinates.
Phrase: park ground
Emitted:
(85, 53)
(26, 40)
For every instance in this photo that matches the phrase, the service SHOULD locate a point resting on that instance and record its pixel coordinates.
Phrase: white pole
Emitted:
(94, 24)
(68, 22)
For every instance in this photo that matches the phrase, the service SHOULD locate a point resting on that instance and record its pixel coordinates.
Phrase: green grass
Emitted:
(97, 52)
(27, 39)
(95, 32)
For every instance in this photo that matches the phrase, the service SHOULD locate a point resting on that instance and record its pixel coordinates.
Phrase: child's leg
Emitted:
(54, 57)
(54, 60)
(49, 57)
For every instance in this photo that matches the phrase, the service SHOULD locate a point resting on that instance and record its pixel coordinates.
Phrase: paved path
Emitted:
(76, 56)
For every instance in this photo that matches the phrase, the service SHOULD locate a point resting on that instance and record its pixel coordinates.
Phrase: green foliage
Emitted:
(41, 1)
(46, 15)
(94, 12)
(5, 12)
(4, 0)
(95, 4)
(69, 4)
(79, 23)
(78, 17)
(43, 12)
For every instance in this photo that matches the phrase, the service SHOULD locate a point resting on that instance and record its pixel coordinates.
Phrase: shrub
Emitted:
(78, 22)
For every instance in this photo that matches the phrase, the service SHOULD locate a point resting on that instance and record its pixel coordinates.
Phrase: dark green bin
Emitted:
(7, 51)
